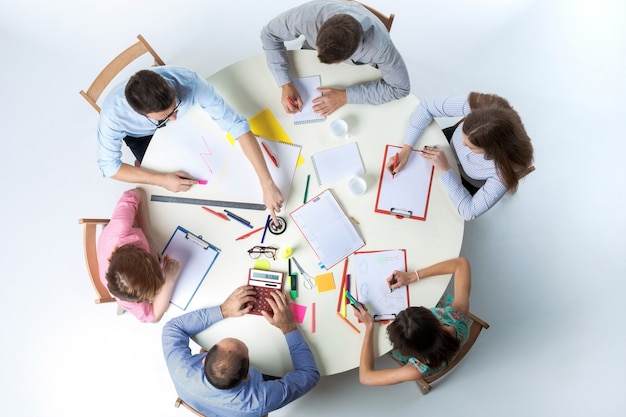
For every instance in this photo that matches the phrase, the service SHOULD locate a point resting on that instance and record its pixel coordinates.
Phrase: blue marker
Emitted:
(239, 219)
(353, 300)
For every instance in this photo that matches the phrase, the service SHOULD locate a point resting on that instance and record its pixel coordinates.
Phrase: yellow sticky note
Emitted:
(325, 282)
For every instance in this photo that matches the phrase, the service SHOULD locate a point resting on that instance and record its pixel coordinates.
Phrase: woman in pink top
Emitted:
(130, 267)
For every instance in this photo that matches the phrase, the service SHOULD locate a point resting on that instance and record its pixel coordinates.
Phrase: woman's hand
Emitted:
(437, 157)
(399, 279)
(362, 314)
(403, 158)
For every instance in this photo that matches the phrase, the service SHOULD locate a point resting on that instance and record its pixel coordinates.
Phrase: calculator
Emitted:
(264, 282)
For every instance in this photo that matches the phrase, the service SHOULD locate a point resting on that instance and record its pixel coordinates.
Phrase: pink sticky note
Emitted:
(298, 312)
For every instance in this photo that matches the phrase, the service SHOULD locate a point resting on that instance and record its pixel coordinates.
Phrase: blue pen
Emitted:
(239, 219)
(267, 223)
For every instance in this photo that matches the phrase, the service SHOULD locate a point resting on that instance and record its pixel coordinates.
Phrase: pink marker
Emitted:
(202, 182)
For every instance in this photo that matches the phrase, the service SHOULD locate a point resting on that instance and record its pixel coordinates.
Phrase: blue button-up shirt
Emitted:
(118, 120)
(252, 397)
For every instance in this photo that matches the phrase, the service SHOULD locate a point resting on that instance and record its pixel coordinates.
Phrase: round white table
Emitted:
(249, 88)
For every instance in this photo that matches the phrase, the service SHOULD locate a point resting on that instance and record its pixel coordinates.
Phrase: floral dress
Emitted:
(447, 316)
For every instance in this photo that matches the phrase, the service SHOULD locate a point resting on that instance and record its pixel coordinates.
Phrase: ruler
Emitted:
(218, 203)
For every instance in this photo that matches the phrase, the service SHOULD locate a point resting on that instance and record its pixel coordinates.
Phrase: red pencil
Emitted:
(272, 157)
(250, 233)
(312, 317)
(223, 216)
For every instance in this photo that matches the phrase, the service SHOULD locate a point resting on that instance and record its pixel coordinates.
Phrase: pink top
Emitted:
(121, 231)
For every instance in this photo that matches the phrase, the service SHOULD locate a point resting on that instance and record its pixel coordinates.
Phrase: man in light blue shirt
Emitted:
(133, 111)
(340, 31)
(220, 382)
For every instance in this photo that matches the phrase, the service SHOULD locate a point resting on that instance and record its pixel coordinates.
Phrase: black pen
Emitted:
(241, 219)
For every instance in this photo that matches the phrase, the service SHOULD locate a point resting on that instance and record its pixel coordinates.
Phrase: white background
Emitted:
(548, 262)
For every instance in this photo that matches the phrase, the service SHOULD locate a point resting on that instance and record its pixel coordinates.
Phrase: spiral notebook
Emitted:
(327, 228)
(337, 163)
(307, 87)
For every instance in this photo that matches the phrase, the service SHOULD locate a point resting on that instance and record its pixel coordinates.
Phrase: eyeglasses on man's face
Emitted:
(257, 251)
(161, 123)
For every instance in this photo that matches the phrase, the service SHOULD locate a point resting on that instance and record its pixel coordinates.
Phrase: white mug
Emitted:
(357, 186)
(338, 129)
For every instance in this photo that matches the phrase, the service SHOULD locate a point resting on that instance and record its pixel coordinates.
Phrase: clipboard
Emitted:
(327, 229)
(406, 194)
(371, 271)
(196, 257)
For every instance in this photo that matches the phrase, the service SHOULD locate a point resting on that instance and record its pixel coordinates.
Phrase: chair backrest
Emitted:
(179, 402)
(475, 329)
(528, 171)
(387, 20)
(115, 67)
(90, 237)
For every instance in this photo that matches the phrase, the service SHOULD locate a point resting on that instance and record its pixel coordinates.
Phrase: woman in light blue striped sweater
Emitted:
(490, 144)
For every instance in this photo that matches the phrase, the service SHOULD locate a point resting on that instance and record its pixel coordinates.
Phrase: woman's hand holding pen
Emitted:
(290, 99)
(362, 314)
(171, 268)
(403, 157)
(398, 279)
(437, 157)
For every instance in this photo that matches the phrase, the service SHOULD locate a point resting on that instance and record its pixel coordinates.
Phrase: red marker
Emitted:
(396, 161)
(272, 157)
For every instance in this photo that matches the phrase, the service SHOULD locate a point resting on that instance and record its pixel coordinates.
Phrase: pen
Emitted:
(269, 153)
(220, 215)
(312, 317)
(267, 222)
(395, 166)
(293, 102)
(306, 189)
(240, 220)
(393, 281)
(249, 233)
(234, 216)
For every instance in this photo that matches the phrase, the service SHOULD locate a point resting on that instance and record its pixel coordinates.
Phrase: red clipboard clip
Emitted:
(400, 214)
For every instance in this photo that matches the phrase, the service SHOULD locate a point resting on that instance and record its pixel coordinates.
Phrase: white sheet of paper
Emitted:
(371, 272)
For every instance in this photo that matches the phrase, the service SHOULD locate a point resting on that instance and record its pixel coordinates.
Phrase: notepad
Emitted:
(196, 256)
(307, 87)
(340, 162)
(407, 193)
(328, 230)
(371, 271)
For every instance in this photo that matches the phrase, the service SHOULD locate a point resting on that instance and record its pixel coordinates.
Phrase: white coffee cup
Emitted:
(338, 129)
(357, 186)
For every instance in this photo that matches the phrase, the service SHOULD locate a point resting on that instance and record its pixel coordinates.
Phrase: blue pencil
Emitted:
(239, 219)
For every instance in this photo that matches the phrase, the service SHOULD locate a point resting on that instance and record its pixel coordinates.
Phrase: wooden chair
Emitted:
(180, 402)
(475, 329)
(90, 227)
(528, 171)
(115, 67)
(387, 20)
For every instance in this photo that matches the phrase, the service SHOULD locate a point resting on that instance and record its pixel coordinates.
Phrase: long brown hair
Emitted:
(134, 274)
(417, 333)
(495, 126)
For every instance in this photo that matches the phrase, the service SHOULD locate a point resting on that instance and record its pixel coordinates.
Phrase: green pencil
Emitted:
(306, 189)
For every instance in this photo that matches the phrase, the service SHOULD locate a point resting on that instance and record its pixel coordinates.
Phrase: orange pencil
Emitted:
(223, 216)
(348, 322)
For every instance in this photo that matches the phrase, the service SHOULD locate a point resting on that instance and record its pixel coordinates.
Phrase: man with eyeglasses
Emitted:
(150, 99)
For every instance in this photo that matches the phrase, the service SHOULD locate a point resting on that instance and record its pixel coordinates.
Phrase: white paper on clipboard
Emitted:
(196, 256)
